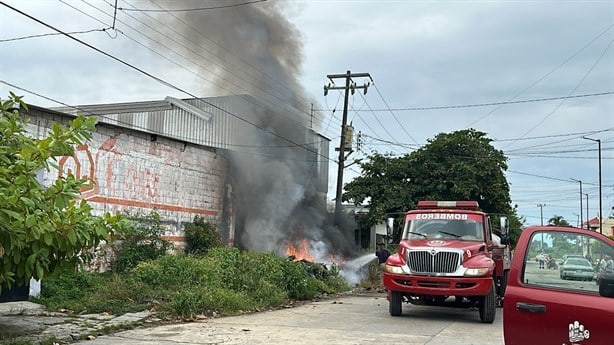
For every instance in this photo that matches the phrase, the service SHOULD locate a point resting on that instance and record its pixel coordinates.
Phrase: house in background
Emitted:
(607, 227)
(369, 238)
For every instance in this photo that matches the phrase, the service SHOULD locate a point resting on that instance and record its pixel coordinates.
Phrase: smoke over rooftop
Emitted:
(254, 50)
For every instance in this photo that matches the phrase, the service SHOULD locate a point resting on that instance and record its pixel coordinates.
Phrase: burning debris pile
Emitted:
(256, 51)
(352, 270)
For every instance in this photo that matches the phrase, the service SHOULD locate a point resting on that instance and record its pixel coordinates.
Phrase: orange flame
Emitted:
(299, 252)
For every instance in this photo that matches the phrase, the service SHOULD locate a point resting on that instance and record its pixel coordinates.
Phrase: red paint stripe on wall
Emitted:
(135, 203)
(174, 238)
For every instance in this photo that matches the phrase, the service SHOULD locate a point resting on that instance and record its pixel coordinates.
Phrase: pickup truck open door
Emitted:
(567, 303)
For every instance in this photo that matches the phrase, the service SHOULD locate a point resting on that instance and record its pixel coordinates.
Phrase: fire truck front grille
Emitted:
(423, 261)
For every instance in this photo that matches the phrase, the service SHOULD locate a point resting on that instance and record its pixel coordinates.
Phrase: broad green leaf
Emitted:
(31, 259)
(72, 236)
(39, 271)
(28, 202)
(30, 220)
(48, 238)
(13, 214)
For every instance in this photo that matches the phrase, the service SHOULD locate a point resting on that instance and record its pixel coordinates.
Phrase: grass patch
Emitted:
(226, 281)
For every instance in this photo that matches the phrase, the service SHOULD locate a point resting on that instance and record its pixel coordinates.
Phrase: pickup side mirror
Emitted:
(606, 284)
(503, 224)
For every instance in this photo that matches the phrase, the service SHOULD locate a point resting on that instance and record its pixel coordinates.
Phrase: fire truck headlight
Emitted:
(393, 269)
(476, 272)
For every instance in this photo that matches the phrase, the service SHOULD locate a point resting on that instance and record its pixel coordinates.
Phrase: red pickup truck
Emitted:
(569, 303)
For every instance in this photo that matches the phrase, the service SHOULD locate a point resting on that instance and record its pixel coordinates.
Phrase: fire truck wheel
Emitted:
(488, 306)
(395, 307)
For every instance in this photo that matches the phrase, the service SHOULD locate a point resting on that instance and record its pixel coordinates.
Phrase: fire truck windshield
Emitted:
(464, 229)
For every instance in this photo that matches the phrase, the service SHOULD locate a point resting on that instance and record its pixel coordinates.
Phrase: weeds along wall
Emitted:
(137, 172)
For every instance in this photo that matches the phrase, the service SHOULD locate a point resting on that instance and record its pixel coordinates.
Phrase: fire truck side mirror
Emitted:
(503, 223)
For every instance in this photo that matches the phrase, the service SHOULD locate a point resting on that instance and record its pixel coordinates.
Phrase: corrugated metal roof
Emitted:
(118, 108)
(215, 122)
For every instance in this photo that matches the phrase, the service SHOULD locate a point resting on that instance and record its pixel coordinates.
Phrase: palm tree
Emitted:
(558, 221)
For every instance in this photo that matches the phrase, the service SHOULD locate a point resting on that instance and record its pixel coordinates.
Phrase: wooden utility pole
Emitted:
(350, 86)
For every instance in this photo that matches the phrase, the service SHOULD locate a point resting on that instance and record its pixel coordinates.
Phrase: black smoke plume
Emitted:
(254, 50)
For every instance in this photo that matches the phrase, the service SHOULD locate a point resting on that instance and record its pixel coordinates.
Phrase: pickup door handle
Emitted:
(530, 307)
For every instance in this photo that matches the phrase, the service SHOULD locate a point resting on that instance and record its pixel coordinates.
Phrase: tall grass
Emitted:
(226, 281)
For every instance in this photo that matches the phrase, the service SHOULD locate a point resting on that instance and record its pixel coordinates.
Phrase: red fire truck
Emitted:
(448, 256)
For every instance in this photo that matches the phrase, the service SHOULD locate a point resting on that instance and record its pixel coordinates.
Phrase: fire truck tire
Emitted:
(488, 306)
(395, 306)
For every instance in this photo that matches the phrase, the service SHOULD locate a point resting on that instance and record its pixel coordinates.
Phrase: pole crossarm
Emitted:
(349, 82)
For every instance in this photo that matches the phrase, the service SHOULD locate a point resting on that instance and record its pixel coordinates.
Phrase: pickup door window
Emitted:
(558, 302)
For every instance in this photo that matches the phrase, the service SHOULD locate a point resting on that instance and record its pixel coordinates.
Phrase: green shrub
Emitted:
(226, 281)
(373, 280)
(201, 236)
(86, 292)
(172, 272)
(141, 243)
(269, 295)
(228, 261)
(189, 304)
(68, 289)
(297, 282)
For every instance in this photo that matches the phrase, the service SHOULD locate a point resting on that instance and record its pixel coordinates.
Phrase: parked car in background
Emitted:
(576, 268)
(541, 308)
(565, 257)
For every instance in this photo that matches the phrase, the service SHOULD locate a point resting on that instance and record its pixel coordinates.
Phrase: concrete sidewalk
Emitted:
(29, 321)
(345, 320)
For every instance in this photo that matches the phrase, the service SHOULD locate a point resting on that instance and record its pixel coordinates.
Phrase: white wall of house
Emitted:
(136, 172)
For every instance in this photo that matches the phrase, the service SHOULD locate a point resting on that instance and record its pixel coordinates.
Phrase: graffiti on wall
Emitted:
(115, 180)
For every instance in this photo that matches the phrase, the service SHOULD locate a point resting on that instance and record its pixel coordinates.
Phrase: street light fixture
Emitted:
(541, 212)
(598, 141)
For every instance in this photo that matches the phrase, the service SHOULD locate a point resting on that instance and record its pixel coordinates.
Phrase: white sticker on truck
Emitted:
(577, 332)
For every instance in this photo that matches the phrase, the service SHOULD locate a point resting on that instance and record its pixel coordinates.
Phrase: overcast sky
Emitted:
(420, 54)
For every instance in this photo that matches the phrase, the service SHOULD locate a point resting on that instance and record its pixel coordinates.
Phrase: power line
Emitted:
(240, 59)
(556, 135)
(572, 91)
(545, 75)
(50, 34)
(159, 80)
(475, 105)
(179, 137)
(408, 146)
(558, 157)
(191, 9)
(198, 75)
(549, 177)
(378, 120)
(393, 115)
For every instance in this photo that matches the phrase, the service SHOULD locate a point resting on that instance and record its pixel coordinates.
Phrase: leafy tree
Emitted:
(462, 165)
(384, 183)
(43, 230)
(558, 221)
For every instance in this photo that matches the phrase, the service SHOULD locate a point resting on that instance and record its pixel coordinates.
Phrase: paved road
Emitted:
(356, 320)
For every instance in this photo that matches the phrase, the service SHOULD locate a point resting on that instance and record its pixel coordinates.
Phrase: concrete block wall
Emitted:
(137, 172)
